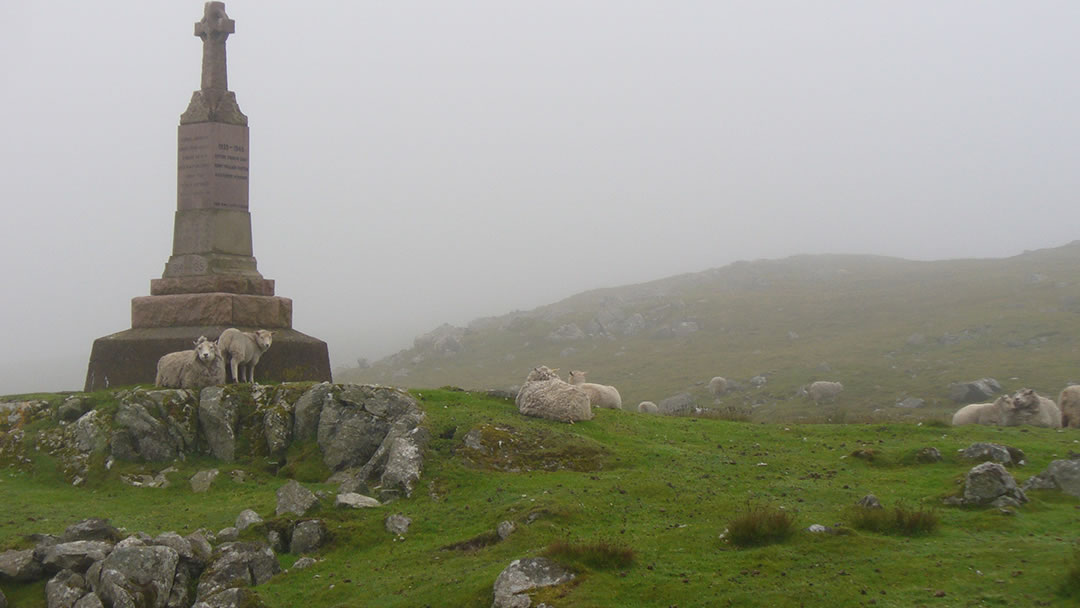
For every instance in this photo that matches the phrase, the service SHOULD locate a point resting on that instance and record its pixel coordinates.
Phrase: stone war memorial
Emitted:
(211, 281)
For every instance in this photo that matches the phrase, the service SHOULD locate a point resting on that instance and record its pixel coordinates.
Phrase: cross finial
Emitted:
(214, 28)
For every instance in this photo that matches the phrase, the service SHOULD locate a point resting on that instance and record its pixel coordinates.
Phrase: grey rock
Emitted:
(201, 481)
(20, 566)
(228, 535)
(77, 555)
(90, 434)
(928, 455)
(201, 549)
(354, 425)
(869, 502)
(278, 429)
(90, 600)
(218, 413)
(246, 519)
(144, 574)
(523, 575)
(237, 565)
(990, 484)
(91, 529)
(505, 529)
(308, 536)
(758, 381)
(138, 434)
(911, 403)
(398, 524)
(64, 589)
(277, 542)
(1061, 475)
(404, 459)
(993, 452)
(304, 562)
(294, 498)
(474, 440)
(73, 408)
(683, 403)
(355, 501)
(975, 391)
(817, 529)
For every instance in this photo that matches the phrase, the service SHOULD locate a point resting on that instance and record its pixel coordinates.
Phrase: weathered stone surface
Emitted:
(523, 575)
(294, 498)
(139, 435)
(990, 484)
(400, 455)
(228, 309)
(304, 562)
(145, 574)
(355, 423)
(90, 433)
(72, 408)
(246, 519)
(1061, 475)
(90, 600)
(64, 589)
(683, 403)
(218, 413)
(227, 535)
(869, 502)
(212, 283)
(505, 529)
(91, 529)
(77, 555)
(236, 565)
(355, 501)
(928, 455)
(201, 481)
(278, 429)
(237, 597)
(398, 524)
(993, 452)
(975, 391)
(307, 410)
(308, 536)
(20, 566)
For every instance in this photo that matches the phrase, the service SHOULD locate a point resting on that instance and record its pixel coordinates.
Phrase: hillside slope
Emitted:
(887, 328)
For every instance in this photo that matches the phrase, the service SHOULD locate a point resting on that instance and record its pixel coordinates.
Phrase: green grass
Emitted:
(761, 524)
(663, 488)
(897, 520)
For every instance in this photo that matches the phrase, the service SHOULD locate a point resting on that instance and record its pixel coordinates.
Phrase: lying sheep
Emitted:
(648, 407)
(824, 390)
(1031, 408)
(1069, 401)
(600, 395)
(242, 350)
(718, 386)
(197, 368)
(983, 413)
(545, 395)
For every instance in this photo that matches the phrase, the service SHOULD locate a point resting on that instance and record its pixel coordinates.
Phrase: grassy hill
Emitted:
(886, 328)
(659, 490)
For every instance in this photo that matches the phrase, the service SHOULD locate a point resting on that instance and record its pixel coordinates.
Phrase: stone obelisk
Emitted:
(211, 281)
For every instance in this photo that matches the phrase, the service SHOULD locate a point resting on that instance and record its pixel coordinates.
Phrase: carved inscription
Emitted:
(212, 167)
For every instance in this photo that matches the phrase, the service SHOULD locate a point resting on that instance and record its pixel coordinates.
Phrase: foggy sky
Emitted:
(414, 163)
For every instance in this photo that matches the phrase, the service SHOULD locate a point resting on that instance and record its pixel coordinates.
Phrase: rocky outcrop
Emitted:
(295, 498)
(523, 575)
(1061, 475)
(236, 565)
(992, 452)
(308, 536)
(682, 403)
(989, 484)
(975, 391)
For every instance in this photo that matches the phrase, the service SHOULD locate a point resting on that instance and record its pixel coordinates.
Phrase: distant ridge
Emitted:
(888, 328)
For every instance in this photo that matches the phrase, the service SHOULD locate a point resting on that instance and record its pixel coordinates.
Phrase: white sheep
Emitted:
(648, 407)
(242, 350)
(823, 390)
(600, 395)
(1069, 402)
(1031, 408)
(718, 386)
(545, 395)
(197, 368)
(983, 413)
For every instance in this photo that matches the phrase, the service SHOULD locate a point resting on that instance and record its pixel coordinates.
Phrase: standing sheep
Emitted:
(545, 395)
(600, 395)
(718, 386)
(1069, 401)
(823, 390)
(1031, 408)
(990, 414)
(242, 350)
(197, 368)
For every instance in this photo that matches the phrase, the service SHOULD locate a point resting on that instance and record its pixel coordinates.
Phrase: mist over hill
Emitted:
(887, 328)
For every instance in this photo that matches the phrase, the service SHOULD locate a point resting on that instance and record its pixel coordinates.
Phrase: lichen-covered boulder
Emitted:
(1061, 475)
(142, 575)
(523, 575)
(294, 498)
(20, 566)
(308, 536)
(355, 421)
(237, 565)
(64, 589)
(218, 415)
(76, 555)
(990, 484)
(308, 409)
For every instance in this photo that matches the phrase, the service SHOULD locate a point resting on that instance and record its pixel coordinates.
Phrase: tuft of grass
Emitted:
(761, 524)
(600, 555)
(897, 520)
(1070, 583)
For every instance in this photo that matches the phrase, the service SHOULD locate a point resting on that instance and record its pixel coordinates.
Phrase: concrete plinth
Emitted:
(131, 356)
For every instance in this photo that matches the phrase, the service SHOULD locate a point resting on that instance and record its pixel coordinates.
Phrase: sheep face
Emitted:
(206, 351)
(1025, 399)
(263, 339)
(577, 377)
